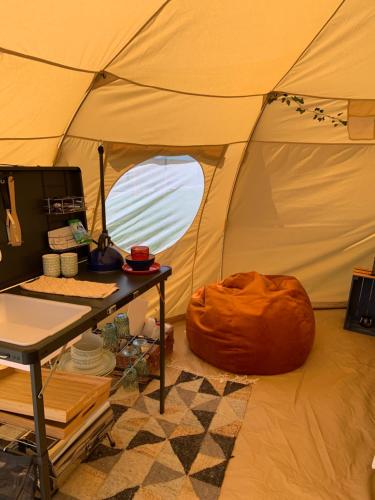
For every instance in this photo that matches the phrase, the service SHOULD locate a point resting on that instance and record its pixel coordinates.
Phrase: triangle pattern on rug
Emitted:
(204, 462)
(207, 388)
(140, 405)
(211, 448)
(127, 494)
(204, 417)
(187, 448)
(208, 405)
(169, 490)
(118, 410)
(226, 443)
(193, 385)
(160, 473)
(153, 426)
(102, 451)
(168, 457)
(186, 396)
(180, 454)
(205, 490)
(238, 406)
(175, 399)
(225, 415)
(156, 394)
(144, 437)
(190, 419)
(186, 377)
(168, 427)
(212, 475)
(231, 386)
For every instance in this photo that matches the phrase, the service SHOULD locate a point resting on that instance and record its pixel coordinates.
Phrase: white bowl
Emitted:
(88, 352)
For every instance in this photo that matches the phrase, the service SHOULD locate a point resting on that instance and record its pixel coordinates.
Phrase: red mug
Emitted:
(140, 252)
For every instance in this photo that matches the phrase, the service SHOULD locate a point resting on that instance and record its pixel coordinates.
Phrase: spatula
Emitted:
(13, 224)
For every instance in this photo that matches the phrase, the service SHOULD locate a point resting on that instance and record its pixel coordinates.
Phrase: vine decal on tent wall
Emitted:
(299, 105)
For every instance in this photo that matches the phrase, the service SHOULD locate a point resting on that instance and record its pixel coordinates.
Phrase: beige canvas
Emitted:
(169, 74)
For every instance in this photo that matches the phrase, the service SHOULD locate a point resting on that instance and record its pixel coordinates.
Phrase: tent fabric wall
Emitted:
(180, 286)
(170, 74)
(305, 210)
(119, 111)
(29, 151)
(282, 123)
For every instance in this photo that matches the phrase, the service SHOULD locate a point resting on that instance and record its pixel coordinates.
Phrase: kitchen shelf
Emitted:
(64, 205)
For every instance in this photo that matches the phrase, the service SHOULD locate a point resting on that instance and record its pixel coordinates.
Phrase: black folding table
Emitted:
(130, 287)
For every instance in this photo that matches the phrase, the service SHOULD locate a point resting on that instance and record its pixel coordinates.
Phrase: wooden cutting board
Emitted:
(55, 429)
(66, 395)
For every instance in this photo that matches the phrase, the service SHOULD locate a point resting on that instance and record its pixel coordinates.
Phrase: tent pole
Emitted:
(102, 188)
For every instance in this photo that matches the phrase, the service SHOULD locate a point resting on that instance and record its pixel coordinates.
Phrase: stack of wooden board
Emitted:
(78, 416)
(69, 400)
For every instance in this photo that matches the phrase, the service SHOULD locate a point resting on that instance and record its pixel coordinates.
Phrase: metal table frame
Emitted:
(130, 287)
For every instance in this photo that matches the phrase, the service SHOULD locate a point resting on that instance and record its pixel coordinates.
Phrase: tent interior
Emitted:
(238, 136)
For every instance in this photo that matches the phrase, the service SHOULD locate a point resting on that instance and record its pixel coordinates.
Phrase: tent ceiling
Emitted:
(340, 62)
(197, 50)
(31, 94)
(84, 35)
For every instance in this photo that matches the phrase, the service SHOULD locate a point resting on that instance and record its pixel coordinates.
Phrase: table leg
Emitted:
(40, 430)
(162, 344)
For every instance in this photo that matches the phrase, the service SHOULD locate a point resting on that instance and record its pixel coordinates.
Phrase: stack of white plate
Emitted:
(88, 357)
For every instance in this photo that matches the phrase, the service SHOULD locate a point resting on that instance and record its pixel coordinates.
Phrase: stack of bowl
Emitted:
(87, 353)
(140, 258)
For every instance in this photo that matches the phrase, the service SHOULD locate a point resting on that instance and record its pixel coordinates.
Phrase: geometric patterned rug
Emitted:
(182, 454)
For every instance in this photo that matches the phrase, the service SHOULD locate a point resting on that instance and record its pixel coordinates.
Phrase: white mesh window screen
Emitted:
(155, 202)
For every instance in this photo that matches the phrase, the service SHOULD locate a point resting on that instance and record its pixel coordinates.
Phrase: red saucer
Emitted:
(152, 269)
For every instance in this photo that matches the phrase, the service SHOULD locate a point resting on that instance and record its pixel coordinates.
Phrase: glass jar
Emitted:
(139, 344)
(122, 325)
(130, 380)
(142, 370)
(110, 339)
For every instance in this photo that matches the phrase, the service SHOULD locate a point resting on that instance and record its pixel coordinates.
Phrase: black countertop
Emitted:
(130, 286)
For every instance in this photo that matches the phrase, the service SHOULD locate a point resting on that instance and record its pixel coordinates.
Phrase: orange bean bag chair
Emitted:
(252, 324)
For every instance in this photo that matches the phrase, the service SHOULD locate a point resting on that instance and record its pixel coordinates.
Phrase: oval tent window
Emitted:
(155, 202)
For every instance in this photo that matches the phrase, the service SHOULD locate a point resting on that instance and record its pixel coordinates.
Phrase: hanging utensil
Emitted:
(8, 195)
(6, 203)
(15, 228)
(365, 320)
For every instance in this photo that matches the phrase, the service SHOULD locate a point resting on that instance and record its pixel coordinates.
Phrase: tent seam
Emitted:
(184, 92)
(90, 87)
(199, 227)
(30, 138)
(144, 26)
(242, 159)
(88, 90)
(310, 44)
(318, 96)
(157, 145)
(317, 143)
(45, 61)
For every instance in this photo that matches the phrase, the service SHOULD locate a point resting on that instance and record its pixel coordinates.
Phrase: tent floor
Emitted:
(308, 434)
